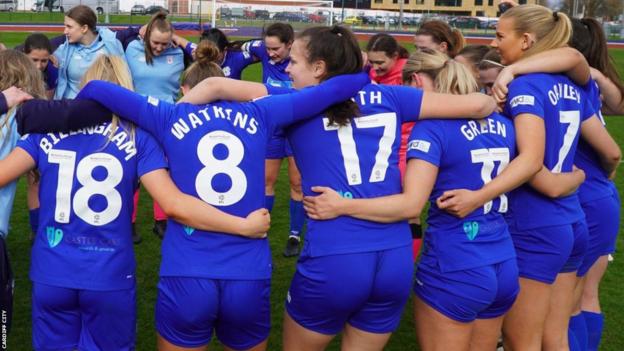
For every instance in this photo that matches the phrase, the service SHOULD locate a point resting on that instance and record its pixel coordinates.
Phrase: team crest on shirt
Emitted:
(170, 60)
(54, 236)
(523, 100)
(471, 229)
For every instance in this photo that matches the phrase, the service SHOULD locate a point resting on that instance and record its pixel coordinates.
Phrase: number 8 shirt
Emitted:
(87, 184)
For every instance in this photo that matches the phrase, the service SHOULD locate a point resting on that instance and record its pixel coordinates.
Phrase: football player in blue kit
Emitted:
(273, 51)
(467, 277)
(232, 59)
(597, 194)
(198, 293)
(83, 266)
(358, 157)
(549, 113)
(156, 67)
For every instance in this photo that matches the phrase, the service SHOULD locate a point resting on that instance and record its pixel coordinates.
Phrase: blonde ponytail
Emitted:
(448, 75)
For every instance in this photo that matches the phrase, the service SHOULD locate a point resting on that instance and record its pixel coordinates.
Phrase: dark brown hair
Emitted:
(283, 31)
(83, 15)
(589, 38)
(474, 53)
(158, 21)
(205, 65)
(441, 32)
(387, 44)
(339, 49)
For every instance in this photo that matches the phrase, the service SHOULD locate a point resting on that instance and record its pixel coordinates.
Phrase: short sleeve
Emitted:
(409, 102)
(524, 98)
(255, 48)
(587, 110)
(150, 155)
(426, 142)
(30, 144)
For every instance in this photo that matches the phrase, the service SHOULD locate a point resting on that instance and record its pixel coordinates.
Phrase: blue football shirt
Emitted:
(86, 194)
(468, 154)
(563, 106)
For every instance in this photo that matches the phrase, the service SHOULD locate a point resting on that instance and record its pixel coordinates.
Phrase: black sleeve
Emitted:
(4, 107)
(43, 116)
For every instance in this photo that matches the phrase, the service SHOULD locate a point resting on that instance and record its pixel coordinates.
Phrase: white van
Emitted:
(8, 5)
(99, 6)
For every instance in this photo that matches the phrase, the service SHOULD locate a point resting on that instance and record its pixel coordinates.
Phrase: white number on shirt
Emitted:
(573, 119)
(84, 173)
(213, 166)
(488, 157)
(349, 151)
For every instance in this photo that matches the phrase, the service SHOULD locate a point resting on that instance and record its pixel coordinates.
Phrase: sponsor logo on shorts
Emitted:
(288, 298)
(420, 145)
(471, 228)
(523, 100)
(54, 236)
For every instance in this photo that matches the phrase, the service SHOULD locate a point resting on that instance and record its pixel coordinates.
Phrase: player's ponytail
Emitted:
(589, 38)
(339, 49)
(115, 70)
(205, 66)
(549, 30)
(448, 75)
(158, 21)
(440, 32)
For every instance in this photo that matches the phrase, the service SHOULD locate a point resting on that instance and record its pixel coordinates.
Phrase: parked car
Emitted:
(316, 18)
(262, 14)
(150, 10)
(372, 20)
(290, 17)
(353, 20)
(8, 5)
(248, 14)
(465, 22)
(137, 10)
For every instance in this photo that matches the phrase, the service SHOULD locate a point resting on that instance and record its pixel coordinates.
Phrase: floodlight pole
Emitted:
(342, 12)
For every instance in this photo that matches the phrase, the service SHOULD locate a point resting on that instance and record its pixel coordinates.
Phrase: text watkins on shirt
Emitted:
(195, 119)
(121, 138)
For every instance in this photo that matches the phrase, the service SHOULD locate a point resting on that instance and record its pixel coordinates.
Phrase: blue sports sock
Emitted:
(595, 323)
(578, 329)
(33, 217)
(297, 217)
(269, 200)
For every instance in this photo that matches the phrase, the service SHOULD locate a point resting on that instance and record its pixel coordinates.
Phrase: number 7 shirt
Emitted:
(564, 107)
(86, 190)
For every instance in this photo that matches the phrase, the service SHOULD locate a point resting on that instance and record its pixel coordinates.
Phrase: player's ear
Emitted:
(319, 68)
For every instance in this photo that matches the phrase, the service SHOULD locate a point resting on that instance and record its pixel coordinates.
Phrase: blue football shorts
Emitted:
(367, 290)
(75, 319)
(603, 222)
(188, 310)
(465, 295)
